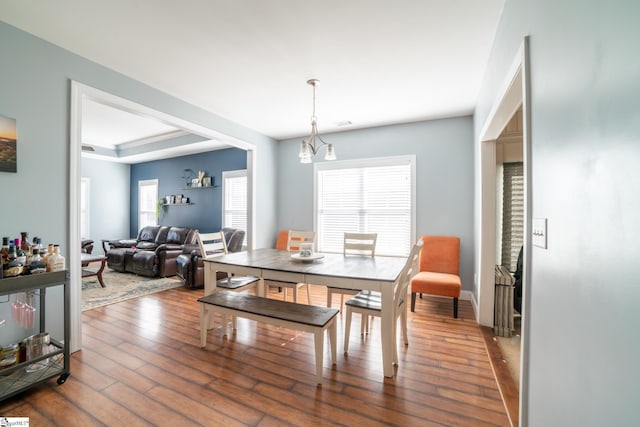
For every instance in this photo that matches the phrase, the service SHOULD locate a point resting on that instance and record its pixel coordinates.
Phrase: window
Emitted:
(147, 201)
(84, 207)
(234, 204)
(512, 213)
(369, 195)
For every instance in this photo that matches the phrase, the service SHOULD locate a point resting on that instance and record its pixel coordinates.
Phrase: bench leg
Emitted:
(318, 336)
(204, 323)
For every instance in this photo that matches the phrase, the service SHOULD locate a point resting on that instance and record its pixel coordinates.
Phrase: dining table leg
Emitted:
(386, 326)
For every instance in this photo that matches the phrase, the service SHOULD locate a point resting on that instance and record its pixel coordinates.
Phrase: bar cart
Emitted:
(23, 303)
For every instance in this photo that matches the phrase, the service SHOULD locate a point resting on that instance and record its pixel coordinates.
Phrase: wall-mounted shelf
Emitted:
(201, 188)
(178, 204)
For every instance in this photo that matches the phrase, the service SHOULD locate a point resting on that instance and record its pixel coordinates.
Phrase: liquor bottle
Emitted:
(13, 267)
(24, 238)
(5, 250)
(20, 255)
(37, 266)
(12, 253)
(56, 261)
(48, 255)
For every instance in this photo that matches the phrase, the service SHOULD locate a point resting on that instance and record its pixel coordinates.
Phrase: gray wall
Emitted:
(585, 121)
(444, 177)
(109, 200)
(35, 90)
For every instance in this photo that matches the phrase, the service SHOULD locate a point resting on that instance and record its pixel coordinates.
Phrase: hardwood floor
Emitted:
(142, 365)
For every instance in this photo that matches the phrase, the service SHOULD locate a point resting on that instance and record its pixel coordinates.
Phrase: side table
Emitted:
(87, 259)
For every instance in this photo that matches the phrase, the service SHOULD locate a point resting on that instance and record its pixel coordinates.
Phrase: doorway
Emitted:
(513, 97)
(81, 93)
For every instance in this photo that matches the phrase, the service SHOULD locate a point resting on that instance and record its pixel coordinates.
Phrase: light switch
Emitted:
(539, 233)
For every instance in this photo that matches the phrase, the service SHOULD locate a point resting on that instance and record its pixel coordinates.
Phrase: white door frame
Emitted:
(81, 91)
(516, 92)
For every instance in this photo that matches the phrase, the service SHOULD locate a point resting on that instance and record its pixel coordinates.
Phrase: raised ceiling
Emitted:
(378, 61)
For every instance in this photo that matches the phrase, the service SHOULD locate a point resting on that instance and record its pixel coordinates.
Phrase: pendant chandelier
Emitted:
(313, 143)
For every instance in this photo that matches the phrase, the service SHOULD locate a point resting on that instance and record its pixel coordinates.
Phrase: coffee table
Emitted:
(87, 259)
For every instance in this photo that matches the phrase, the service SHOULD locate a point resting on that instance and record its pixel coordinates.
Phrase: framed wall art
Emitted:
(8, 145)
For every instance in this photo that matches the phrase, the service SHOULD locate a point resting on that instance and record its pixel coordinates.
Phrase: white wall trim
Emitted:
(81, 91)
(515, 92)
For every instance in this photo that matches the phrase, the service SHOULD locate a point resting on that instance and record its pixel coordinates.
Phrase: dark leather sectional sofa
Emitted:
(153, 253)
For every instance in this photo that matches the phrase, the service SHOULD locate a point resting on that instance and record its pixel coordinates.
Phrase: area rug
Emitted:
(121, 287)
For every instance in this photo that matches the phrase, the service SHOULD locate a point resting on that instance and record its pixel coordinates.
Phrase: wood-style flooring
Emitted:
(141, 364)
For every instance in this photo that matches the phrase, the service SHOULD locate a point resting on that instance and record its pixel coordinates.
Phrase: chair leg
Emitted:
(295, 294)
(455, 308)
(403, 323)
(329, 297)
(308, 293)
(413, 301)
(347, 330)
(341, 301)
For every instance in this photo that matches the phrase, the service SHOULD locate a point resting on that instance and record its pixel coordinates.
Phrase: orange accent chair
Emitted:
(284, 243)
(439, 270)
(283, 240)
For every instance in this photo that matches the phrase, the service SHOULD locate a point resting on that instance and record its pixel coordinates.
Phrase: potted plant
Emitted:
(159, 204)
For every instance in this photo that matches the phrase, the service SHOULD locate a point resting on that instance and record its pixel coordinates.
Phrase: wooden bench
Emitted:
(302, 317)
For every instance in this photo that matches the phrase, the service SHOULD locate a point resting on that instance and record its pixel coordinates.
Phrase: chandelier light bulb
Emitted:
(331, 153)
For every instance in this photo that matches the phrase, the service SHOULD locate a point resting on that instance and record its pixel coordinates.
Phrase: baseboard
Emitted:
(474, 304)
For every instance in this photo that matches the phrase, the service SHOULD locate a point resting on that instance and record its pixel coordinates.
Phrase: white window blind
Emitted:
(512, 213)
(234, 188)
(147, 199)
(374, 195)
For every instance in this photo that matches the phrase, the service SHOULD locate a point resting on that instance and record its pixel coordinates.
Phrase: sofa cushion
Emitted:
(162, 234)
(148, 233)
(177, 235)
(146, 246)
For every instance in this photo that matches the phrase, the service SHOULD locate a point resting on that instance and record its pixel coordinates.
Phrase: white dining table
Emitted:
(341, 271)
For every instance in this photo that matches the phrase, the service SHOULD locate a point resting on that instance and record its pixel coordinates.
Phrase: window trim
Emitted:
(370, 162)
(148, 182)
(239, 173)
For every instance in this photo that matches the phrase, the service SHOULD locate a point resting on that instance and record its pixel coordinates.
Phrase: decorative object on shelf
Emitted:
(194, 183)
(174, 199)
(309, 147)
(206, 181)
(188, 175)
(200, 176)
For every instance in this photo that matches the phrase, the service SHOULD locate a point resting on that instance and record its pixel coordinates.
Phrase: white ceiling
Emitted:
(378, 61)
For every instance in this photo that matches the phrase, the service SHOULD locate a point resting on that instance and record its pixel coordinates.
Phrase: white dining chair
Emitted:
(294, 239)
(369, 303)
(362, 244)
(213, 245)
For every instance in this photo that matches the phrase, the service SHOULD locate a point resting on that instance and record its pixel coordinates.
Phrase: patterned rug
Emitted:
(121, 287)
